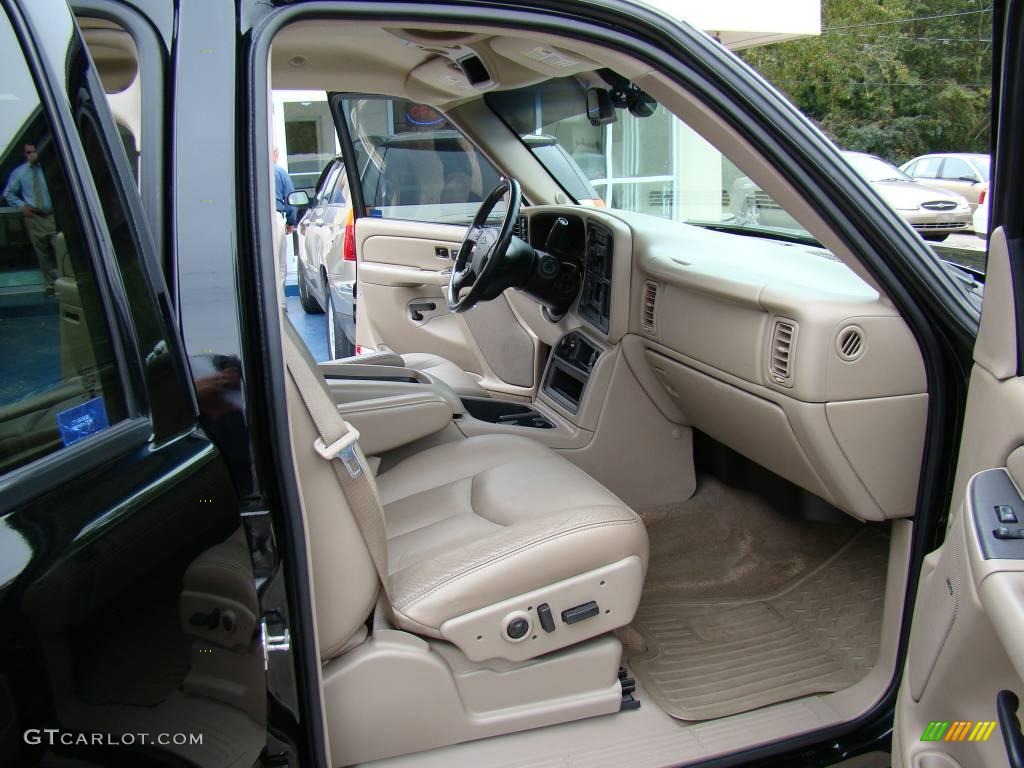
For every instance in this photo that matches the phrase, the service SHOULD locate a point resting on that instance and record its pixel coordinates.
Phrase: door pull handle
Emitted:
(1006, 707)
(416, 313)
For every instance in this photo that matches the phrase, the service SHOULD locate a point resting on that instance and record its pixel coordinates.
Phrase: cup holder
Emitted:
(505, 412)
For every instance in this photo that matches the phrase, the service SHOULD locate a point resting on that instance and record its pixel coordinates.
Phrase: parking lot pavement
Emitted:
(312, 329)
(967, 242)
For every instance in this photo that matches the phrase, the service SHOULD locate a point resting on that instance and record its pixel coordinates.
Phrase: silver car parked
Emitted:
(934, 213)
(962, 173)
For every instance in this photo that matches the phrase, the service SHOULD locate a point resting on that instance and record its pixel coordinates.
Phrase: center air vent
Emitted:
(780, 353)
(648, 310)
(850, 343)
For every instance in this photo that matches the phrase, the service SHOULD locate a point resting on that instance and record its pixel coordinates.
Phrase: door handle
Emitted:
(416, 313)
(1006, 708)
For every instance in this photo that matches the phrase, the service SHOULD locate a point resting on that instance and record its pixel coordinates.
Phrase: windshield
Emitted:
(642, 159)
(875, 169)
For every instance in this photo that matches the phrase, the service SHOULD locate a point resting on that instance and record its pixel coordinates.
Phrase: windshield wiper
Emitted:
(788, 236)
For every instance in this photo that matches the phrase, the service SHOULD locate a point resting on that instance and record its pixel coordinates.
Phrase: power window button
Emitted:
(1008, 533)
(1005, 513)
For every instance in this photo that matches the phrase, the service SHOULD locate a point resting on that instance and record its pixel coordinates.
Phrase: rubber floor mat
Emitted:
(705, 660)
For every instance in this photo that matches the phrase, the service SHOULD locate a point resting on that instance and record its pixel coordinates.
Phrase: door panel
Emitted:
(402, 281)
(122, 551)
(967, 637)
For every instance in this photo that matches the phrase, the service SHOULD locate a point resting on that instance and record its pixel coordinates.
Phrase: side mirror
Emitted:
(298, 198)
(599, 107)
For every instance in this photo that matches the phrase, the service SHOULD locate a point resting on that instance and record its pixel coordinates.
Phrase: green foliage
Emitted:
(878, 83)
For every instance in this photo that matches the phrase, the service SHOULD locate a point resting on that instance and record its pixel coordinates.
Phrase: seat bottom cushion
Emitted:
(476, 521)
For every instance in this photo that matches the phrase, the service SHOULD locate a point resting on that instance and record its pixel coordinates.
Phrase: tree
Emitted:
(896, 78)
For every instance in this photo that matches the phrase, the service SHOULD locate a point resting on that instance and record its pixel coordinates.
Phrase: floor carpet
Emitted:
(745, 607)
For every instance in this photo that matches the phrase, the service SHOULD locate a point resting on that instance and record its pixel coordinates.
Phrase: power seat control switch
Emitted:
(517, 628)
(1008, 533)
(547, 621)
(1005, 514)
(580, 612)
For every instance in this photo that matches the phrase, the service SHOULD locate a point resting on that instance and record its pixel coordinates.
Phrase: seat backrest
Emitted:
(345, 582)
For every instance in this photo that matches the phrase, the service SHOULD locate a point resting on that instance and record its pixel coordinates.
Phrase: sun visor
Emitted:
(546, 59)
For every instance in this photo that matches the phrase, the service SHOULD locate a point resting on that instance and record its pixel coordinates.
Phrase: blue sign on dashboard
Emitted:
(83, 420)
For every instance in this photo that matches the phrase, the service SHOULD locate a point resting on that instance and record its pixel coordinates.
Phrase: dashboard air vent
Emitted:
(850, 343)
(648, 310)
(780, 354)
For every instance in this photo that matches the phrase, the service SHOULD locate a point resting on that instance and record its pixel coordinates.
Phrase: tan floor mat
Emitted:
(715, 658)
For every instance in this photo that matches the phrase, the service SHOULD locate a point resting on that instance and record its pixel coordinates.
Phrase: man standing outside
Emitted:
(26, 190)
(282, 188)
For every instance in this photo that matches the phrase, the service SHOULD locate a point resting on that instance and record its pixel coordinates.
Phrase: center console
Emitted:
(571, 364)
(505, 412)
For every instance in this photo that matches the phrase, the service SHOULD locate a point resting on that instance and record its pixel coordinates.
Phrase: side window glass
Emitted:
(323, 191)
(59, 379)
(912, 169)
(419, 166)
(339, 195)
(928, 168)
(117, 64)
(954, 169)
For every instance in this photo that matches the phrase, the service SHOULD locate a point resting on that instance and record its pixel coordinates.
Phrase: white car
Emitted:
(980, 218)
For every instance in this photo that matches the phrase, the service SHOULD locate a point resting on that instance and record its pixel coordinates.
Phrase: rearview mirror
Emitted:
(599, 107)
(298, 198)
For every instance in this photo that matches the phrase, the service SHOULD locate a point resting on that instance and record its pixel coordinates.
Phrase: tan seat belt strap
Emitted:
(337, 444)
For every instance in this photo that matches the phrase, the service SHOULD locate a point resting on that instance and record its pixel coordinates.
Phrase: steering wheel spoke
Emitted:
(462, 279)
(483, 248)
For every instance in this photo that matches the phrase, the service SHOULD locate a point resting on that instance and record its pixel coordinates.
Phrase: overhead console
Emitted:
(569, 370)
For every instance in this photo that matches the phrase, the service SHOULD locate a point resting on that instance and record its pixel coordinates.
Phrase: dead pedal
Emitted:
(628, 684)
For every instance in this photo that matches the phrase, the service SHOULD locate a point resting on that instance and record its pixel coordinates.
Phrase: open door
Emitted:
(960, 696)
(422, 182)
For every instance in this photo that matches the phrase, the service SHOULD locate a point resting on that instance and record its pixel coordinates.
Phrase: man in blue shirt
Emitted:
(283, 187)
(26, 190)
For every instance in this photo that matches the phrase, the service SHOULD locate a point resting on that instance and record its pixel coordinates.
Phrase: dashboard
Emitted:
(777, 350)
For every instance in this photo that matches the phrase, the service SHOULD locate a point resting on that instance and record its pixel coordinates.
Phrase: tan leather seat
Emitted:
(477, 534)
(445, 370)
(477, 521)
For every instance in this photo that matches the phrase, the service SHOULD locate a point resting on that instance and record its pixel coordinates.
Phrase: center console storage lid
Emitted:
(358, 382)
(385, 423)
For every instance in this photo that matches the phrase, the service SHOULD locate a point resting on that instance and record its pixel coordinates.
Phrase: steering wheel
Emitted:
(483, 249)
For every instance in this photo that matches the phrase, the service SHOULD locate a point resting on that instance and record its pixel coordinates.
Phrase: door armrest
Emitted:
(385, 423)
